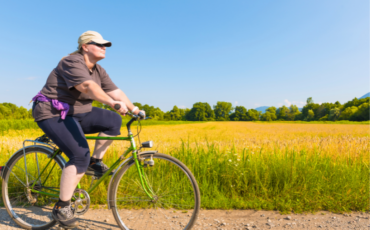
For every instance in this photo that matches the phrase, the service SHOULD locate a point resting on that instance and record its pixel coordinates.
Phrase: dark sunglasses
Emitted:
(97, 44)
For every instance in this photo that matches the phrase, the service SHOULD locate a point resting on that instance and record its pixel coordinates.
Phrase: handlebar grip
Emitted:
(117, 106)
(141, 115)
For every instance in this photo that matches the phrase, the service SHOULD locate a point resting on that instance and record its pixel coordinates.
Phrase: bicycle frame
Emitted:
(132, 148)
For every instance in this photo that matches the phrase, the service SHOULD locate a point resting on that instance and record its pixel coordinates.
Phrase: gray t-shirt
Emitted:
(71, 71)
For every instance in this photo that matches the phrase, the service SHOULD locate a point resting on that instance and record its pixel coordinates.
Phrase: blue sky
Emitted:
(166, 53)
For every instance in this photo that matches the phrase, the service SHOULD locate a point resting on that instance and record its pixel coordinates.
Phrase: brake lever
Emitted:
(136, 116)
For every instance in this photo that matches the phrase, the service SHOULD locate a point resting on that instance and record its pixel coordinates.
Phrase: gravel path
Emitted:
(221, 219)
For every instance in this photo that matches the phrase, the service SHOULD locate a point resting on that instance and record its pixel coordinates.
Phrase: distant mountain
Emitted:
(366, 95)
(263, 109)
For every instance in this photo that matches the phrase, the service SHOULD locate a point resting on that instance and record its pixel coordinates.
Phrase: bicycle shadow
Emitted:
(6, 222)
(95, 224)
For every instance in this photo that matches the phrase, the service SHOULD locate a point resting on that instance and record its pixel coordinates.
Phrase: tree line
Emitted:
(354, 110)
(11, 111)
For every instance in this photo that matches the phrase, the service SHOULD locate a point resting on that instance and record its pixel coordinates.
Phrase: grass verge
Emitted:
(287, 181)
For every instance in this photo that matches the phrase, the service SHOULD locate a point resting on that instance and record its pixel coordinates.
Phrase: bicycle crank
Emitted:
(80, 201)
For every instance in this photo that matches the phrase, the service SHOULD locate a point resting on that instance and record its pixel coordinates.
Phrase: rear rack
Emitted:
(44, 141)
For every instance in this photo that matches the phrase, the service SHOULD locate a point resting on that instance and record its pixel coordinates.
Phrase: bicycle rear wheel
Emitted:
(177, 196)
(31, 212)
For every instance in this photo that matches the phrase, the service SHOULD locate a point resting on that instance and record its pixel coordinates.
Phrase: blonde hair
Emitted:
(79, 51)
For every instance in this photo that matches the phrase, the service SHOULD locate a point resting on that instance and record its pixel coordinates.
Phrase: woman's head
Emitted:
(93, 45)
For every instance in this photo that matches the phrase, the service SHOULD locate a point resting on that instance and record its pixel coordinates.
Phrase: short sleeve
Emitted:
(106, 82)
(74, 72)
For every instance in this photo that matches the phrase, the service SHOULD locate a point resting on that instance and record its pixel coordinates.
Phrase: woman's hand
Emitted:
(123, 110)
(143, 115)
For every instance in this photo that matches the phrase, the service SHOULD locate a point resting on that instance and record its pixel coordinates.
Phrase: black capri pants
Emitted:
(69, 136)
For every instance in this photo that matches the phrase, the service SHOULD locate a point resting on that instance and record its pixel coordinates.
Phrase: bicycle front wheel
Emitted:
(176, 196)
(28, 209)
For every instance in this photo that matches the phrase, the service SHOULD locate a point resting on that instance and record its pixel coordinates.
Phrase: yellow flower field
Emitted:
(284, 166)
(336, 140)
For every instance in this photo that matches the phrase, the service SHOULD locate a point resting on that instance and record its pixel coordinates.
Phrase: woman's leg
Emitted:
(68, 136)
(101, 146)
(107, 123)
(68, 183)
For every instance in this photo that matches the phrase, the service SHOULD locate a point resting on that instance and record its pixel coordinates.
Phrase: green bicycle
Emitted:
(145, 188)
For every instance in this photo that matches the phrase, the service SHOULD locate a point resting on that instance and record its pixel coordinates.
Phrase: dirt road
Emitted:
(221, 219)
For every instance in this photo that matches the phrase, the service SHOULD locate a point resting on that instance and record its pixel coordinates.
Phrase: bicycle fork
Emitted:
(143, 178)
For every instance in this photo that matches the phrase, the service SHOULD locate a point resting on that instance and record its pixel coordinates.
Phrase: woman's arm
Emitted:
(119, 95)
(96, 93)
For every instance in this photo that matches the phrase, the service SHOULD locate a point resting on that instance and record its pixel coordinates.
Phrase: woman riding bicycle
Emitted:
(63, 110)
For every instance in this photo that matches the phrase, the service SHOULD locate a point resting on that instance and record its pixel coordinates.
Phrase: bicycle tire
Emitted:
(27, 215)
(168, 175)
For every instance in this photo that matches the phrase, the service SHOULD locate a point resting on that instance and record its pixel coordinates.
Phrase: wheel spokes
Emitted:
(173, 191)
(37, 213)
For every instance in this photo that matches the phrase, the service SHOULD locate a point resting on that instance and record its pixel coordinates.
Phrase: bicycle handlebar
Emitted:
(134, 118)
(139, 116)
(117, 106)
